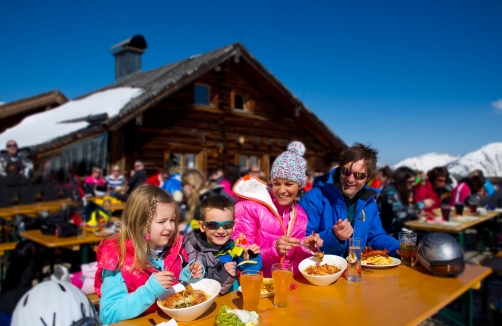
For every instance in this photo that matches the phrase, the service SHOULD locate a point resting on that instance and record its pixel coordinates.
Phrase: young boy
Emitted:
(217, 251)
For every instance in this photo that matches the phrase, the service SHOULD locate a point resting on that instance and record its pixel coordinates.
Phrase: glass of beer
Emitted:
(445, 211)
(407, 242)
(282, 273)
(251, 282)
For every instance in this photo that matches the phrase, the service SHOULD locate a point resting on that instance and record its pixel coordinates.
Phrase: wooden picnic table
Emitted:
(73, 243)
(455, 226)
(392, 296)
(30, 209)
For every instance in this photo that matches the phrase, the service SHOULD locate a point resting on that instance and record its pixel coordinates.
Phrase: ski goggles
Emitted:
(357, 175)
(444, 269)
(213, 225)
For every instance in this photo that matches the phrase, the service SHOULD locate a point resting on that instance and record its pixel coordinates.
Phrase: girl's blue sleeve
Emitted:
(185, 273)
(117, 304)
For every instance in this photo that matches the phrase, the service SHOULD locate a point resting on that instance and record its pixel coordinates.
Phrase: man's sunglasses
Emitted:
(357, 175)
(213, 225)
(11, 145)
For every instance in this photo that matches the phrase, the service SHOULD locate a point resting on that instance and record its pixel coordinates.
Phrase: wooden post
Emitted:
(201, 161)
(117, 149)
(265, 165)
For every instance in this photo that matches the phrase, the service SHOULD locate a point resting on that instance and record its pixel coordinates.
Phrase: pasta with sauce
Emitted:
(184, 299)
(322, 270)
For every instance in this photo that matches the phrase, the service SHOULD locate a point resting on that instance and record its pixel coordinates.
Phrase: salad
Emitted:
(235, 317)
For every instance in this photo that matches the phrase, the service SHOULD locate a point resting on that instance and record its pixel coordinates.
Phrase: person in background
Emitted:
(382, 177)
(489, 188)
(256, 172)
(420, 178)
(12, 185)
(115, 180)
(395, 201)
(470, 185)
(217, 251)
(310, 181)
(231, 175)
(173, 183)
(13, 155)
(434, 188)
(195, 190)
(269, 215)
(144, 260)
(344, 207)
(95, 178)
(158, 179)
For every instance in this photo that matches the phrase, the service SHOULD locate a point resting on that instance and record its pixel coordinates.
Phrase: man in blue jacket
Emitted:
(344, 207)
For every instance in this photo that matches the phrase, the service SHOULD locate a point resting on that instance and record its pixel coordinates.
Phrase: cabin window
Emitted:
(202, 94)
(246, 162)
(187, 160)
(239, 102)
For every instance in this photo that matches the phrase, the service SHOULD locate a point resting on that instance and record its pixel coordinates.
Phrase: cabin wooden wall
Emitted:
(217, 133)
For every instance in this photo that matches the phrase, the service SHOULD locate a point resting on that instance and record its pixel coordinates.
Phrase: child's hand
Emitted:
(255, 249)
(196, 269)
(165, 278)
(230, 268)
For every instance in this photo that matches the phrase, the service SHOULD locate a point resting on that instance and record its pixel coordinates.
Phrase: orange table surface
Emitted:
(393, 296)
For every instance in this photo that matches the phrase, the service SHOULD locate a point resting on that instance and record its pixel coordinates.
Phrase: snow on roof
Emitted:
(43, 127)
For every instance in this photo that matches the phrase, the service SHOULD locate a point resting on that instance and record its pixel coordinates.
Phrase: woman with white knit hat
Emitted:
(268, 215)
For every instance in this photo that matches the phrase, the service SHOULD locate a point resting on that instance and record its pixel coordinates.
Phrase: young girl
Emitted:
(136, 266)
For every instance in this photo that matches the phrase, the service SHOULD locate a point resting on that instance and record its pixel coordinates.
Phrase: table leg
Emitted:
(469, 302)
(85, 254)
(461, 239)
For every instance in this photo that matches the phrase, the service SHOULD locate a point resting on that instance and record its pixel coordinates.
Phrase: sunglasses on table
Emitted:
(357, 175)
(213, 225)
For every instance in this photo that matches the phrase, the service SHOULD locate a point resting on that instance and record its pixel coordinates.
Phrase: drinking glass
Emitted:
(282, 273)
(407, 242)
(354, 271)
(473, 207)
(445, 211)
(251, 282)
(81, 230)
(459, 209)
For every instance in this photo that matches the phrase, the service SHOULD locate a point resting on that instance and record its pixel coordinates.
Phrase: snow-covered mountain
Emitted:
(488, 159)
(427, 161)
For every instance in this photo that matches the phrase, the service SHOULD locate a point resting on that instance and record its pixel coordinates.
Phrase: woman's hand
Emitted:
(284, 244)
(313, 241)
(165, 278)
(196, 269)
(343, 230)
(230, 268)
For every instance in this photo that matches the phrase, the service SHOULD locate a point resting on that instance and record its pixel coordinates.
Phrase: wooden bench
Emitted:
(7, 246)
(93, 298)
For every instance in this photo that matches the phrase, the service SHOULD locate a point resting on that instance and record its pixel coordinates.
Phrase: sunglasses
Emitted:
(357, 175)
(11, 145)
(213, 225)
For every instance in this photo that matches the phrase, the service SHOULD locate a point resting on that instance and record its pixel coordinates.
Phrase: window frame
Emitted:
(208, 104)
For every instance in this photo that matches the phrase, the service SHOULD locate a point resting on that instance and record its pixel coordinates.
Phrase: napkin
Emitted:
(172, 322)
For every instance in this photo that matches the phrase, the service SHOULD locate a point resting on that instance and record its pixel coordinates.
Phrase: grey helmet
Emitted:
(441, 254)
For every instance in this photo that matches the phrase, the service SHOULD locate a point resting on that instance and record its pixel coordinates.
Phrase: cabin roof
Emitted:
(153, 86)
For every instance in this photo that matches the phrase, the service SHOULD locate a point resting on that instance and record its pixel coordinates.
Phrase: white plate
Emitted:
(396, 262)
(262, 295)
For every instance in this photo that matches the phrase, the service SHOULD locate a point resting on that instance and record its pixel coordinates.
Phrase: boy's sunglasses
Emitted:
(357, 175)
(213, 225)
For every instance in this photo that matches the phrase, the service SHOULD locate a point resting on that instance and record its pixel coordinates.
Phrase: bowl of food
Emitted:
(189, 304)
(324, 273)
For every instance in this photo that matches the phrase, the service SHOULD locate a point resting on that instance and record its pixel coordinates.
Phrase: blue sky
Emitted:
(407, 77)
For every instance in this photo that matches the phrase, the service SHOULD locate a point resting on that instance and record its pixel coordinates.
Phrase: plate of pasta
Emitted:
(371, 258)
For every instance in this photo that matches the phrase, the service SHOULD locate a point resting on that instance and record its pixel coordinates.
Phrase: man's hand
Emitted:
(230, 268)
(165, 278)
(284, 244)
(343, 230)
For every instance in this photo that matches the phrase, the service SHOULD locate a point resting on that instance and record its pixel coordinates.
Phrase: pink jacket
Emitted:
(107, 256)
(460, 193)
(257, 217)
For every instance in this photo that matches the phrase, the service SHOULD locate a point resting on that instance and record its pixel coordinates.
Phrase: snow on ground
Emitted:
(45, 126)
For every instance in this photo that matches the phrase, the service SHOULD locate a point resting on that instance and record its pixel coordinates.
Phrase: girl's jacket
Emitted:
(257, 218)
(107, 256)
(326, 205)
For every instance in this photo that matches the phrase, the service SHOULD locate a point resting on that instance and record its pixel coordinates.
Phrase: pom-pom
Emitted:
(297, 147)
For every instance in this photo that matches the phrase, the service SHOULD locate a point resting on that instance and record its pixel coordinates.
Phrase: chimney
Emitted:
(128, 57)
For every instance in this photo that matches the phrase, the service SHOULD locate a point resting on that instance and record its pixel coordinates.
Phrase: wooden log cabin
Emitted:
(215, 109)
